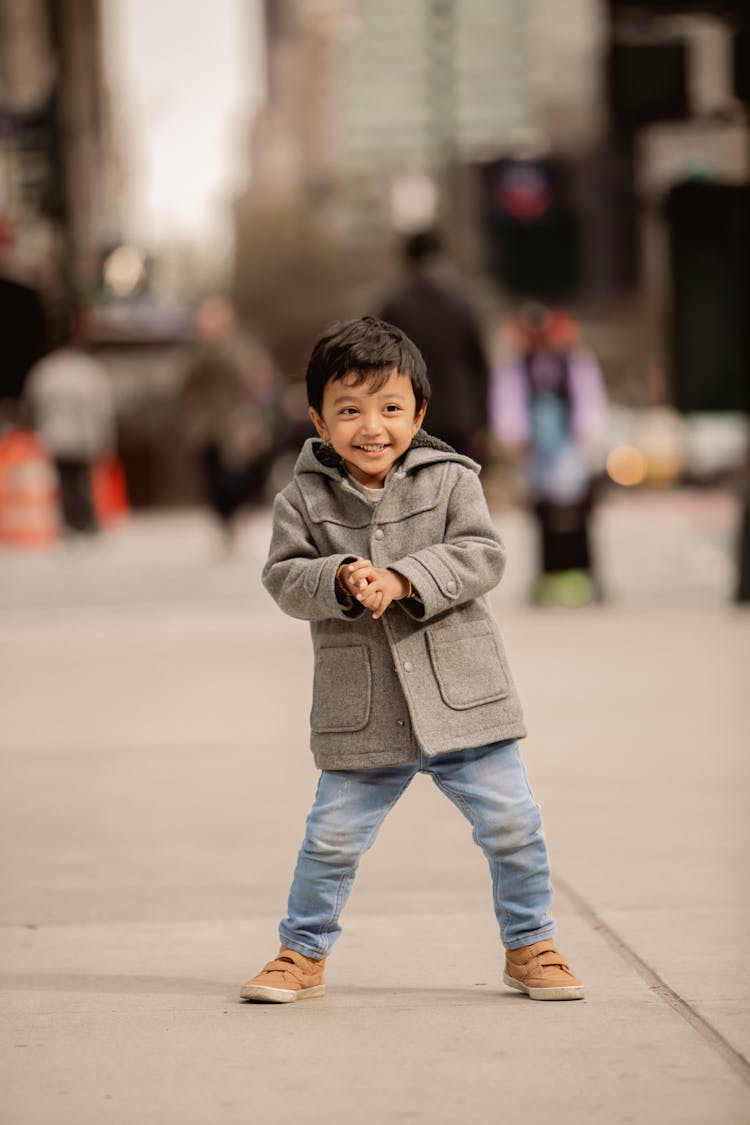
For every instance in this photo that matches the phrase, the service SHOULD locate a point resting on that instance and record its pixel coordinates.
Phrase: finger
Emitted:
(381, 608)
(370, 597)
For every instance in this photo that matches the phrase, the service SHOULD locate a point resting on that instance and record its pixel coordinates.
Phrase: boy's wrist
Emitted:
(406, 586)
(346, 598)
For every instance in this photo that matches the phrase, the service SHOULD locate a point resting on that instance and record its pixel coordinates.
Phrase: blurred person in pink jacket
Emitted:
(548, 405)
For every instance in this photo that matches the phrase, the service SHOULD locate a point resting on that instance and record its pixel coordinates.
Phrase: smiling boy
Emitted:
(370, 424)
(383, 542)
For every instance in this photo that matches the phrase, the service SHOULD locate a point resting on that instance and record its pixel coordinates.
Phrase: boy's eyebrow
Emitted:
(351, 395)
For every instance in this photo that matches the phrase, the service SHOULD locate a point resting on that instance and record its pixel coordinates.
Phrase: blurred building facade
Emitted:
(680, 129)
(363, 93)
(383, 114)
(55, 159)
(380, 117)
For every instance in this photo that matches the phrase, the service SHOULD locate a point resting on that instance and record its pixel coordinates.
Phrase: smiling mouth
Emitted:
(372, 448)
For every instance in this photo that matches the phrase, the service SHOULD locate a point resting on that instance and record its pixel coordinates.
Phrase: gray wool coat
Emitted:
(430, 673)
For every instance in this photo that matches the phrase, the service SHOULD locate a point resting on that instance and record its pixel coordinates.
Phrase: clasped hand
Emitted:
(374, 586)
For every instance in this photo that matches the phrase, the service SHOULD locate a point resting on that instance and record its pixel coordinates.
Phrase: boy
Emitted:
(383, 542)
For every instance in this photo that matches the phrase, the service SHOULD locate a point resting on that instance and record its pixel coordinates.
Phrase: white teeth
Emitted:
(372, 448)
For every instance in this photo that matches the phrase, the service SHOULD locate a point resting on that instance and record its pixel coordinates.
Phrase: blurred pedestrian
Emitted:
(410, 672)
(431, 306)
(24, 330)
(230, 412)
(548, 406)
(71, 404)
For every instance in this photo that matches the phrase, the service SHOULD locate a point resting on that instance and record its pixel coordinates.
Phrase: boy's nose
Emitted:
(371, 425)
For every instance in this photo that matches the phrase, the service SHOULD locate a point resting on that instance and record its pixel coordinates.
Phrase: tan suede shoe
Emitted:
(541, 972)
(292, 976)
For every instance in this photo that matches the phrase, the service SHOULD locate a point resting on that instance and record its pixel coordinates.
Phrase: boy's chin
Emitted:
(366, 473)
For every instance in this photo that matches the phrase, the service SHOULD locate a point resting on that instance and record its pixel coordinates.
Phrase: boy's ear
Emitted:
(318, 422)
(419, 416)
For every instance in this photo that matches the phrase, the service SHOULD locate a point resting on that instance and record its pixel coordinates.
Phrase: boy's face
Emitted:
(369, 429)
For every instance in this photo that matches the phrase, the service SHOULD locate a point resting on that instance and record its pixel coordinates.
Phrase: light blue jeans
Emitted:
(487, 784)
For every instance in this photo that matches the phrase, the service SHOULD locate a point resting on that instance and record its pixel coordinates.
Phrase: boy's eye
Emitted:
(392, 408)
(348, 410)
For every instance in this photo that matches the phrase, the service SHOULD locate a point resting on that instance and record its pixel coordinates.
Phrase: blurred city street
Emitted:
(543, 208)
(154, 750)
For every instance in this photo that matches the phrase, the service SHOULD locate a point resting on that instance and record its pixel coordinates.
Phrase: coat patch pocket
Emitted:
(342, 689)
(467, 667)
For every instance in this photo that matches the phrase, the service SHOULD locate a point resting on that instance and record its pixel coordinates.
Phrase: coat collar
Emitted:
(331, 498)
(424, 449)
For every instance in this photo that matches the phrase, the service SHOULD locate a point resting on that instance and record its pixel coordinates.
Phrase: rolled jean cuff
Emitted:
(299, 947)
(530, 939)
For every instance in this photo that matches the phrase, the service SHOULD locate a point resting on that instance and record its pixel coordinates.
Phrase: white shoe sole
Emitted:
(566, 992)
(268, 995)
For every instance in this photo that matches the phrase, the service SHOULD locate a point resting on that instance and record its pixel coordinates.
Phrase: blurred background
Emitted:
(179, 177)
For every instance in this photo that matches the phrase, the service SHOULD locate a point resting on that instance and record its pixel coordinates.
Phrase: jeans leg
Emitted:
(349, 808)
(489, 787)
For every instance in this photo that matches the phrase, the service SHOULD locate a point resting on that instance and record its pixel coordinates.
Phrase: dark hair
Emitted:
(368, 349)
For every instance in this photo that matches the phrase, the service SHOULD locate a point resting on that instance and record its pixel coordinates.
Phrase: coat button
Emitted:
(450, 587)
(401, 723)
(408, 666)
(380, 534)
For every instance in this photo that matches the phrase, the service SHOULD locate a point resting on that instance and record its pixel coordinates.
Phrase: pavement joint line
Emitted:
(734, 1058)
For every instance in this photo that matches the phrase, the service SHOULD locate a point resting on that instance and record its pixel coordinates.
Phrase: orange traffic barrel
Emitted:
(29, 513)
(109, 491)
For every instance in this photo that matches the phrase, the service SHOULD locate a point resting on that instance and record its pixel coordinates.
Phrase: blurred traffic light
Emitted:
(532, 231)
(709, 236)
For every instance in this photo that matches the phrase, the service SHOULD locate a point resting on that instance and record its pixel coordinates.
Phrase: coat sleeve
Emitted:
(298, 578)
(468, 562)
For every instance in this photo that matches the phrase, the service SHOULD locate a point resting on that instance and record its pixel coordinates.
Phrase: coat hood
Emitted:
(317, 457)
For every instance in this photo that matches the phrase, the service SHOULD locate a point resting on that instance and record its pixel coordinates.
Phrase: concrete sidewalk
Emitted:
(153, 741)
